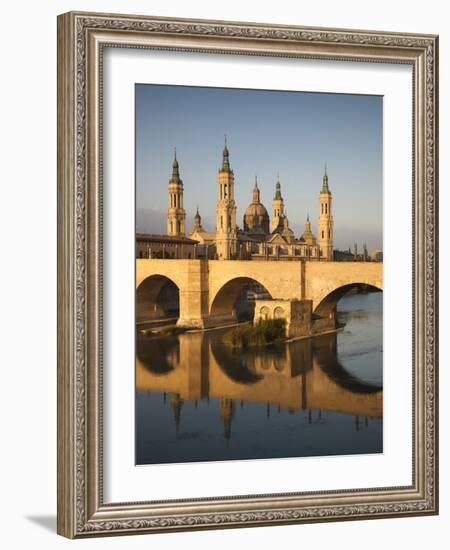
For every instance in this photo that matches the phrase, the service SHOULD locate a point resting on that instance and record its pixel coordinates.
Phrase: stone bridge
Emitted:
(208, 289)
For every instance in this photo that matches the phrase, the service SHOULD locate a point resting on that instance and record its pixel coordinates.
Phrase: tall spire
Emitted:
(307, 225)
(278, 210)
(325, 221)
(226, 158)
(175, 167)
(176, 214)
(278, 189)
(256, 194)
(197, 227)
(226, 228)
(325, 188)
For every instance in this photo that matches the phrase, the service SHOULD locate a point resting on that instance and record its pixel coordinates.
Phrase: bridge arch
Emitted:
(157, 297)
(326, 308)
(223, 305)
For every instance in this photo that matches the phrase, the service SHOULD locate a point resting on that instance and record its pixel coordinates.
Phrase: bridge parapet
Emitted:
(324, 278)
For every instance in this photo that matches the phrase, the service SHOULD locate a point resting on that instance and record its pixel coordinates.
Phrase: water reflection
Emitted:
(199, 400)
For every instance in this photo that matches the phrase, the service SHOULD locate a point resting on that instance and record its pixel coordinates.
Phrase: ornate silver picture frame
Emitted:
(82, 40)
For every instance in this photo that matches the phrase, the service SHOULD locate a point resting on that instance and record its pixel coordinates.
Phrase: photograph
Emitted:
(259, 274)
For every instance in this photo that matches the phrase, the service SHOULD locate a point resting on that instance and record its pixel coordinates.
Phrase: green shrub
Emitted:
(260, 334)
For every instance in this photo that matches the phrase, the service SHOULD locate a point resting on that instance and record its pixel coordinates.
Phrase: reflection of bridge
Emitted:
(304, 375)
(208, 289)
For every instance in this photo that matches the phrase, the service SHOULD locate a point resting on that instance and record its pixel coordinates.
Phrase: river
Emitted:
(197, 400)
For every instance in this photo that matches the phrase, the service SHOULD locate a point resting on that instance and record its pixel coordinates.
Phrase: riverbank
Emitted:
(166, 330)
(323, 333)
(174, 330)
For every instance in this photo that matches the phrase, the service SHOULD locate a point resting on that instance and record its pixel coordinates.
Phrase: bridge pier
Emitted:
(298, 316)
(194, 296)
(296, 313)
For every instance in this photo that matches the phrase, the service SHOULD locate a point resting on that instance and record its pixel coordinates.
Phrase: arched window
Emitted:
(323, 234)
(264, 313)
(278, 313)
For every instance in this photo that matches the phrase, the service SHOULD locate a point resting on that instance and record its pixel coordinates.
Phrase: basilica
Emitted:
(261, 237)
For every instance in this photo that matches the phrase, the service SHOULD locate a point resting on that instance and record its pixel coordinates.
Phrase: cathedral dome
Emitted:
(256, 218)
(256, 210)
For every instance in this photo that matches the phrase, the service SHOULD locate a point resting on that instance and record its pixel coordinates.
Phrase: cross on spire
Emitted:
(325, 188)
(226, 158)
(278, 188)
(175, 167)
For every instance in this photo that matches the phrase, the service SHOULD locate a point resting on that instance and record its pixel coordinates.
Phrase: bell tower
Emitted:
(325, 222)
(226, 229)
(176, 215)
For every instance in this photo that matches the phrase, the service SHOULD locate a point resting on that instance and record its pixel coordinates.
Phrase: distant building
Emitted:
(377, 255)
(343, 256)
(355, 256)
(165, 246)
(206, 247)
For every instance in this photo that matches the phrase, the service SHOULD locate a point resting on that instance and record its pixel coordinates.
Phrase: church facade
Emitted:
(261, 237)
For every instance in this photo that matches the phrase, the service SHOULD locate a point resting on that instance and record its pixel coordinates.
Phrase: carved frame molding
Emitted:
(81, 39)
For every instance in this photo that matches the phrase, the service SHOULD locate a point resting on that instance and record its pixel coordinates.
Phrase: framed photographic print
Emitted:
(247, 286)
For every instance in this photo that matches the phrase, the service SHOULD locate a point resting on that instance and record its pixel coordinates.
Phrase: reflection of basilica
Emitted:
(305, 375)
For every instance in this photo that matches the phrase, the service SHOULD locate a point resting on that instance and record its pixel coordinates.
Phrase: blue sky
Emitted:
(269, 132)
